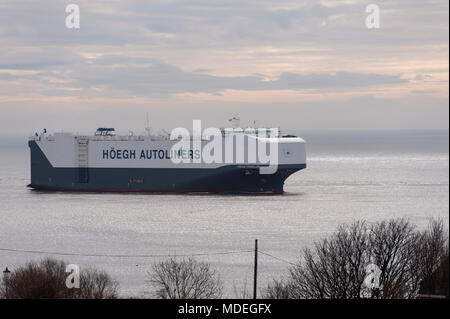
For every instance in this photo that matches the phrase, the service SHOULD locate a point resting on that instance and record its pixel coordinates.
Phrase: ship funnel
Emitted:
(235, 122)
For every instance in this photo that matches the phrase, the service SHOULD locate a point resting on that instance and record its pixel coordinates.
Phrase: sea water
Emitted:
(350, 176)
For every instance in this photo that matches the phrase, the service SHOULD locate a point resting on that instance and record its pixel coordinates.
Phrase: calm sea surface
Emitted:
(350, 176)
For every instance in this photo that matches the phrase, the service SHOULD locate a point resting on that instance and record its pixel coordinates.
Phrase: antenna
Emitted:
(148, 128)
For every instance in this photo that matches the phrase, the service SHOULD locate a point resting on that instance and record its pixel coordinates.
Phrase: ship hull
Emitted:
(224, 179)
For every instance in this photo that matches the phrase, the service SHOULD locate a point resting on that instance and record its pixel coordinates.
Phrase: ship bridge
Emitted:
(103, 131)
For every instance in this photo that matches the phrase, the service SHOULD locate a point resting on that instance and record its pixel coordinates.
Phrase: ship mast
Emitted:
(148, 128)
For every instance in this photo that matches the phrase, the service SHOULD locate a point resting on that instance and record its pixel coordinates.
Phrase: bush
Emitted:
(47, 280)
(96, 284)
(185, 279)
(278, 289)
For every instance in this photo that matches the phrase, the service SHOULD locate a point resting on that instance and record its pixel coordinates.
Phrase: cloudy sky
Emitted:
(301, 65)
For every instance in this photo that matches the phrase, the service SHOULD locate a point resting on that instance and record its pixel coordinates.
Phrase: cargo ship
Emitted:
(106, 162)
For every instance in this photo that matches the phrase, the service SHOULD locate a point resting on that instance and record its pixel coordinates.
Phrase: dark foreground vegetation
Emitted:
(388, 259)
(185, 279)
(47, 280)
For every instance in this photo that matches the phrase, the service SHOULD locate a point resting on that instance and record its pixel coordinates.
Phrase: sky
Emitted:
(301, 65)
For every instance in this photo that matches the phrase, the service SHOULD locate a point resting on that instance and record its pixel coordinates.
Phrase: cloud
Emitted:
(111, 74)
(423, 91)
(7, 76)
(333, 81)
(237, 52)
(162, 78)
(211, 23)
(38, 58)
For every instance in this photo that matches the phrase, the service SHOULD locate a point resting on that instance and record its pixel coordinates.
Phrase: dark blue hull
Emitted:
(226, 179)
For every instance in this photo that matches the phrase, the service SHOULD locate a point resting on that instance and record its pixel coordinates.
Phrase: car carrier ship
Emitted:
(106, 162)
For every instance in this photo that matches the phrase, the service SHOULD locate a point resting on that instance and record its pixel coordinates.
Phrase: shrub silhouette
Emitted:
(47, 280)
(185, 279)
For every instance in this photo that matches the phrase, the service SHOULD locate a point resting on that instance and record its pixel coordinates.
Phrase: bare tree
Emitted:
(185, 279)
(278, 289)
(243, 292)
(95, 284)
(393, 248)
(335, 267)
(407, 261)
(44, 280)
(407, 258)
(47, 280)
(432, 261)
